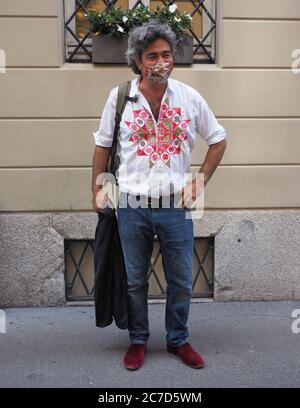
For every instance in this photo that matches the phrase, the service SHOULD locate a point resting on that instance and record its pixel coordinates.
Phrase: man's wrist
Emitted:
(96, 189)
(201, 179)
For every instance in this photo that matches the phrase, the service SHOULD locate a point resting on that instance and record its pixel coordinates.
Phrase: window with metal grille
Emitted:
(78, 42)
(79, 270)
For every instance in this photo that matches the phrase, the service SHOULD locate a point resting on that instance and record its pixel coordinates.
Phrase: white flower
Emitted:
(172, 8)
(189, 16)
(177, 19)
(120, 29)
(125, 19)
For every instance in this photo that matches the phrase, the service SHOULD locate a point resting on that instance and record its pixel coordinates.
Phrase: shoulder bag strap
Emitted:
(123, 93)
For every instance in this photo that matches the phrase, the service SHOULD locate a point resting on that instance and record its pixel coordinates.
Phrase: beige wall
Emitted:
(49, 109)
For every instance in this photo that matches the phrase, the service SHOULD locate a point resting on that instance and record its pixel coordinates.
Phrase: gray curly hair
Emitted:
(141, 37)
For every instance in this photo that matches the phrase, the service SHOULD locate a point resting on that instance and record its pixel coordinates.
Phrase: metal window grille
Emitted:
(79, 270)
(78, 43)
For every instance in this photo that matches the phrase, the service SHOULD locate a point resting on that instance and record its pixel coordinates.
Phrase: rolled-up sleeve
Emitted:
(207, 125)
(104, 135)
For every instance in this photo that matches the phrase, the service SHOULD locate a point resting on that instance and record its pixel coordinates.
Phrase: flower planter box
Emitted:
(111, 50)
(184, 52)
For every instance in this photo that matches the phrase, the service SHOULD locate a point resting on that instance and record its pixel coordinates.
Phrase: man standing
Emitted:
(157, 134)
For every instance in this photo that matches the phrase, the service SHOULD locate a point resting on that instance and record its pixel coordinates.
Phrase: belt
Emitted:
(153, 202)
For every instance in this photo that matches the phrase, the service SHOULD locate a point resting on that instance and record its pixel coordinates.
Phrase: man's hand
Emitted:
(191, 192)
(101, 202)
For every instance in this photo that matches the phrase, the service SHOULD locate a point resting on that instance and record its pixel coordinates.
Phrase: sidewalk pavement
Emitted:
(245, 344)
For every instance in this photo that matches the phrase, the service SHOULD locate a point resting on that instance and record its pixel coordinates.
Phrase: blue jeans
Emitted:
(137, 227)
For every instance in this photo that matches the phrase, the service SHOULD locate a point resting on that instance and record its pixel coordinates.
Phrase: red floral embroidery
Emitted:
(170, 133)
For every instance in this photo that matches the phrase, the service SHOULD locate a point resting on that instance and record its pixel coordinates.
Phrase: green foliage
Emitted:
(178, 21)
(116, 21)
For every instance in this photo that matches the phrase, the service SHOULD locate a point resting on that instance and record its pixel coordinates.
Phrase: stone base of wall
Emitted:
(257, 254)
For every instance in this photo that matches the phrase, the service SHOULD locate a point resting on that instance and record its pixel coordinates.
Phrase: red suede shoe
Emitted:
(188, 355)
(134, 356)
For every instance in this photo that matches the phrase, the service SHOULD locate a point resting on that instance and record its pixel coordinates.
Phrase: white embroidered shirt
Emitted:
(155, 155)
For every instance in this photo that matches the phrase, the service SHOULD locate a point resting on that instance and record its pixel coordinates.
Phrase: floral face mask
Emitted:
(159, 72)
